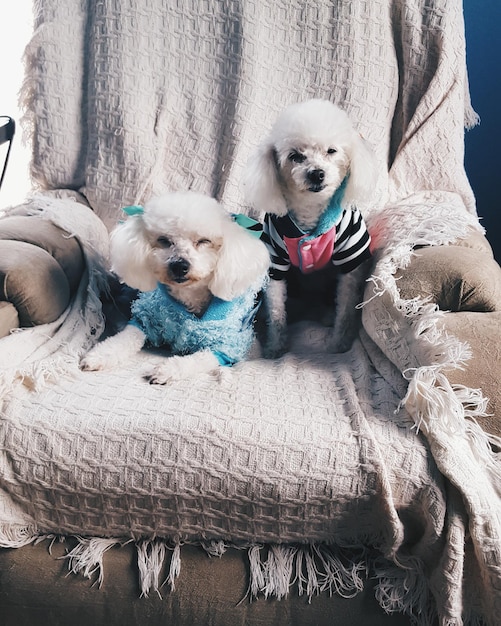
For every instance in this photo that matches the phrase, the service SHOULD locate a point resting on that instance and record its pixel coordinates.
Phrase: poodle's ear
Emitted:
(361, 186)
(130, 250)
(261, 185)
(242, 263)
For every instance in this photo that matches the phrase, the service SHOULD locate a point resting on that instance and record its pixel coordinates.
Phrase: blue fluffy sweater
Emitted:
(226, 328)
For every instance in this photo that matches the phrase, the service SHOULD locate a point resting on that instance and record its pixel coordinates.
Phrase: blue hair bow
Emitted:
(254, 227)
(133, 209)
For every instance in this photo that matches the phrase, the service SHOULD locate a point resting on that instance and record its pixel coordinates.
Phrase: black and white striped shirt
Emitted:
(346, 244)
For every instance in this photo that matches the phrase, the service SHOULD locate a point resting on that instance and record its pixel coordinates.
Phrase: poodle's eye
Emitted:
(296, 157)
(203, 242)
(165, 242)
(331, 151)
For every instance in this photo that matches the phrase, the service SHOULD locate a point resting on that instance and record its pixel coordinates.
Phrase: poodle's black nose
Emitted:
(316, 176)
(178, 269)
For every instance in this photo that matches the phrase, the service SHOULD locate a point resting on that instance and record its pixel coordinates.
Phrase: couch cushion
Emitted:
(35, 589)
(33, 281)
(42, 233)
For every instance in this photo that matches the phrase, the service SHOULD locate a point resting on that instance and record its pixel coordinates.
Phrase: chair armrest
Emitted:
(459, 277)
(40, 268)
(482, 332)
(463, 280)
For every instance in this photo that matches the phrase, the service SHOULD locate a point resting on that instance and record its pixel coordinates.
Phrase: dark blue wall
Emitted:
(483, 143)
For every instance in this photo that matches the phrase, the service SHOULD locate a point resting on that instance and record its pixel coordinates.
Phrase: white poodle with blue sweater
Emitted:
(199, 272)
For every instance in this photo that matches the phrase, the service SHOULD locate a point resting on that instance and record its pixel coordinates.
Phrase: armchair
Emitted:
(319, 489)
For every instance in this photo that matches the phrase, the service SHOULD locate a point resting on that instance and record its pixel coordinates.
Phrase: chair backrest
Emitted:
(7, 131)
(126, 101)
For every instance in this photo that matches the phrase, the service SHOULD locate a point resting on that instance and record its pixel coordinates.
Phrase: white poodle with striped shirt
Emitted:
(310, 177)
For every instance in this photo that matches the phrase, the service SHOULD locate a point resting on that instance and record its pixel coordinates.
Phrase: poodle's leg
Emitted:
(113, 351)
(275, 297)
(183, 367)
(347, 319)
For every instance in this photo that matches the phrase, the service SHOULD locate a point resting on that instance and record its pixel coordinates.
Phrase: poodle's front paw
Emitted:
(161, 375)
(274, 351)
(276, 345)
(114, 351)
(339, 344)
(182, 367)
(104, 356)
(93, 361)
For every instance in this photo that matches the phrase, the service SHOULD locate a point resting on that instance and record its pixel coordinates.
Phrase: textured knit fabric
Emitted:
(371, 449)
(226, 328)
(177, 96)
